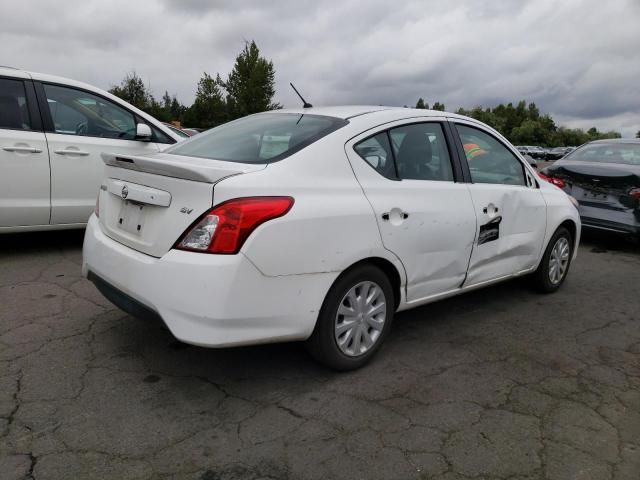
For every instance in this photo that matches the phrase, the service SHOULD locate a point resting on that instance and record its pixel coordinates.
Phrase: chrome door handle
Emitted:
(80, 153)
(22, 149)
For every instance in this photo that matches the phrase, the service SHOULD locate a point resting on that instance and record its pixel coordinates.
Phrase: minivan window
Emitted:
(261, 138)
(76, 112)
(13, 106)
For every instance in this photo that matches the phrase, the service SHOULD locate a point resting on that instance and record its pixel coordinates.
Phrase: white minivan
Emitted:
(52, 132)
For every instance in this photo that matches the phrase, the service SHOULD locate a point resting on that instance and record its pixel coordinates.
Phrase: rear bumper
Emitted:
(207, 300)
(621, 221)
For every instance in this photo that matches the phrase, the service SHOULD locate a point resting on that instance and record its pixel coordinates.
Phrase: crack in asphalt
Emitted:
(496, 385)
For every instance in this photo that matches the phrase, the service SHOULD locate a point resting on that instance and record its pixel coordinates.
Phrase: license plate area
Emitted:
(131, 217)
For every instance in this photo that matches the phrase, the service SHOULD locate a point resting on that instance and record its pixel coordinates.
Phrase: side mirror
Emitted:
(143, 132)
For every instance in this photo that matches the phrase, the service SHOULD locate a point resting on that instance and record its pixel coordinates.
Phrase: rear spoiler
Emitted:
(187, 168)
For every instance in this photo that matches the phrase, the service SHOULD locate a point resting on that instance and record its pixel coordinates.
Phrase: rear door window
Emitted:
(421, 152)
(14, 114)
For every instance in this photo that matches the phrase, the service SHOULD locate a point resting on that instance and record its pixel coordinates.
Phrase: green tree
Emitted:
(250, 86)
(638, 134)
(438, 106)
(208, 109)
(133, 90)
(420, 104)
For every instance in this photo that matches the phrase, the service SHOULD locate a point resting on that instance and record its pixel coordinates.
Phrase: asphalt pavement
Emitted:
(501, 383)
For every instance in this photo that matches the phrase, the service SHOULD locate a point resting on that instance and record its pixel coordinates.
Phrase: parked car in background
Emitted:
(318, 224)
(558, 152)
(178, 131)
(530, 160)
(52, 132)
(604, 177)
(537, 152)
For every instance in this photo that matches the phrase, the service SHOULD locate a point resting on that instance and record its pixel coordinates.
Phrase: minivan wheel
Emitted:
(555, 262)
(354, 320)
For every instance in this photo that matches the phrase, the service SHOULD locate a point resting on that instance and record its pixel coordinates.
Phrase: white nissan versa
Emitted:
(318, 224)
(52, 132)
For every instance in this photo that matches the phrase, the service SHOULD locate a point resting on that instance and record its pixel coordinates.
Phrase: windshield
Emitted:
(262, 138)
(624, 153)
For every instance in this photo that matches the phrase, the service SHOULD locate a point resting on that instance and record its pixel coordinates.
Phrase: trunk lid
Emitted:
(598, 184)
(147, 202)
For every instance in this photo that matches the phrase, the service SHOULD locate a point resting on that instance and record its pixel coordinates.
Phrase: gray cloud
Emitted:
(576, 59)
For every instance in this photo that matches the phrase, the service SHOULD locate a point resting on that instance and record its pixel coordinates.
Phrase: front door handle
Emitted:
(22, 149)
(80, 153)
(493, 208)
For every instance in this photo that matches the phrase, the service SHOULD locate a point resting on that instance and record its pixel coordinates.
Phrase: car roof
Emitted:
(45, 77)
(347, 112)
(617, 140)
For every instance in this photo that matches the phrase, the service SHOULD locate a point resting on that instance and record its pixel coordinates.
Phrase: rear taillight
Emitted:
(558, 182)
(225, 227)
(635, 193)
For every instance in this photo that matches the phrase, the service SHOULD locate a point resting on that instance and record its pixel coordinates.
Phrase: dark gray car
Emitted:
(604, 176)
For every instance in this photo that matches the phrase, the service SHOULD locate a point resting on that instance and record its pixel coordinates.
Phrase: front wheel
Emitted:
(354, 320)
(555, 262)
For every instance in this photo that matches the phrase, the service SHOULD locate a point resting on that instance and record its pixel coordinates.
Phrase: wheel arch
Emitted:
(388, 268)
(572, 227)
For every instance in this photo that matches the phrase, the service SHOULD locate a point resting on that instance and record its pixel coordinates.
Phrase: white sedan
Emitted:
(319, 224)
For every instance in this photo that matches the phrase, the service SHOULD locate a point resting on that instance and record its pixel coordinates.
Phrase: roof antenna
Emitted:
(304, 102)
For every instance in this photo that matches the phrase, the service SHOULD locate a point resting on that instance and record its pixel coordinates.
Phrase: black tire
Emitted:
(540, 278)
(322, 345)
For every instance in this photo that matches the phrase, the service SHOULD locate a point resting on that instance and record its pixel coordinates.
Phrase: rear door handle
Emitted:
(22, 149)
(385, 215)
(80, 153)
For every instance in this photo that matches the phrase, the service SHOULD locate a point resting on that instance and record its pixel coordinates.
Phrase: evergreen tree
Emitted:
(208, 109)
(133, 90)
(250, 86)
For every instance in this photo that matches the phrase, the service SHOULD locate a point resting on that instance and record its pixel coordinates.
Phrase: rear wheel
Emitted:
(555, 262)
(354, 320)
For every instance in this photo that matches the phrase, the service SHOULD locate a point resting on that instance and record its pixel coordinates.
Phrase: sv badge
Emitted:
(186, 210)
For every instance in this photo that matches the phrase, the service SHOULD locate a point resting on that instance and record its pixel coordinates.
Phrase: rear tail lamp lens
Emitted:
(558, 182)
(635, 193)
(226, 227)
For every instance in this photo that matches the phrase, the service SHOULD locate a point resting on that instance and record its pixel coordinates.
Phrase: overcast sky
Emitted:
(579, 60)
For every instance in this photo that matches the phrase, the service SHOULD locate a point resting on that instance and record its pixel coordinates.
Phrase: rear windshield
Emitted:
(625, 153)
(261, 138)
